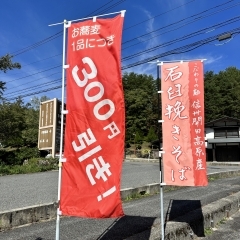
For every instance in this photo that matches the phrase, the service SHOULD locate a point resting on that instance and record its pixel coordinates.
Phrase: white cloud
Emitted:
(211, 59)
(147, 68)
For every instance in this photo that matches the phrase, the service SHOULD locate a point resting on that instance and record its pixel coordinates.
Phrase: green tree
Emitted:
(152, 136)
(30, 132)
(20, 122)
(138, 137)
(12, 118)
(140, 94)
(6, 64)
(35, 102)
(222, 94)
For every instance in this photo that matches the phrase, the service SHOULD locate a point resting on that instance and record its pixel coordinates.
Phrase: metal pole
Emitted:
(162, 215)
(80, 19)
(61, 139)
(160, 160)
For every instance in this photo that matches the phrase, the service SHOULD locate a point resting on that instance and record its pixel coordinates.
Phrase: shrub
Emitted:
(17, 156)
(7, 157)
(31, 166)
(127, 145)
(25, 153)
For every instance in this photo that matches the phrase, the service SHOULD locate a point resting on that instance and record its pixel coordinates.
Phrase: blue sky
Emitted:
(148, 24)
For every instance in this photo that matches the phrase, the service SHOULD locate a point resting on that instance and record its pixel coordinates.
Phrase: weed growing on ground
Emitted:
(208, 231)
(136, 196)
(33, 165)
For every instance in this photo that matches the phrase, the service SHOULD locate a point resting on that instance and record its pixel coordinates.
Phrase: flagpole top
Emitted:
(123, 13)
(181, 61)
(94, 17)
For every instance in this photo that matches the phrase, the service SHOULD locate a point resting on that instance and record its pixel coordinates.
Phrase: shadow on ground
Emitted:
(128, 226)
(184, 211)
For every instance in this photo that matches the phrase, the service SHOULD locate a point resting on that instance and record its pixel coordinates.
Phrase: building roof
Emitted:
(223, 140)
(224, 120)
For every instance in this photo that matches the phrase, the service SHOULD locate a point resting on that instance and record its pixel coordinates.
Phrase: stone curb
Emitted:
(22, 216)
(223, 163)
(37, 213)
(141, 160)
(192, 225)
(128, 159)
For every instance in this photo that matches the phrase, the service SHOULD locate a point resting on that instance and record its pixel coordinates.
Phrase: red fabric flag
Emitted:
(184, 160)
(95, 123)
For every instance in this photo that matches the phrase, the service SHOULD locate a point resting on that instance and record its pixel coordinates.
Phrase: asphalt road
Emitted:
(141, 214)
(17, 191)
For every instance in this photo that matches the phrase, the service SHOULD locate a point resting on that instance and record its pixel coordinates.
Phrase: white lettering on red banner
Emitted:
(183, 126)
(95, 123)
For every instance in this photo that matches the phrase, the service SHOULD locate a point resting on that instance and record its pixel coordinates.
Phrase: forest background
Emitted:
(19, 121)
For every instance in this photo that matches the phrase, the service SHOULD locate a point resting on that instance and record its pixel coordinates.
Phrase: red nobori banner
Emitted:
(95, 123)
(184, 160)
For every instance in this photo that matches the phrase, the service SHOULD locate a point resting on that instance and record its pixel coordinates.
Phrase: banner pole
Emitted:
(162, 215)
(65, 25)
(93, 17)
(160, 157)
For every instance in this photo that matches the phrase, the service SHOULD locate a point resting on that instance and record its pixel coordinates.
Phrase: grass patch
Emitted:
(213, 178)
(32, 165)
(169, 188)
(136, 196)
(208, 231)
(223, 221)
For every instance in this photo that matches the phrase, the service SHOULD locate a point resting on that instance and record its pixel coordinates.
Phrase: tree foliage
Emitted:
(6, 64)
(222, 94)
(30, 133)
(138, 137)
(140, 92)
(152, 136)
(20, 122)
(222, 97)
(12, 123)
